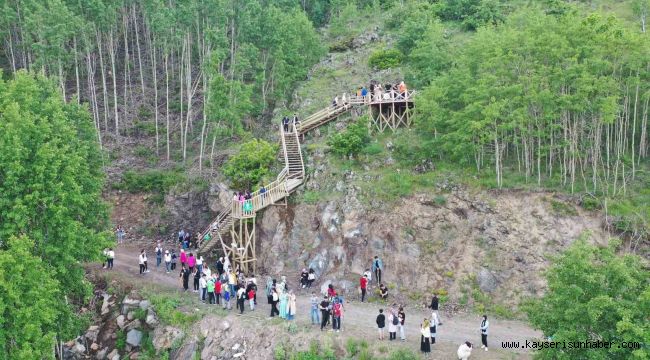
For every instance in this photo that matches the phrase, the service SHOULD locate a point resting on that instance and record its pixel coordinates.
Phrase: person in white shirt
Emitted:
(111, 257)
(433, 326)
(484, 332)
(203, 287)
(142, 259)
(464, 351)
(199, 264)
(168, 261)
(368, 275)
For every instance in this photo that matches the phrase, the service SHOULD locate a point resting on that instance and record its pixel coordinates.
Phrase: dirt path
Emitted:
(359, 318)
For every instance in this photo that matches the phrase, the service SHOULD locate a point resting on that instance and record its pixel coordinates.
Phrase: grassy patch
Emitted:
(562, 208)
(167, 308)
(159, 181)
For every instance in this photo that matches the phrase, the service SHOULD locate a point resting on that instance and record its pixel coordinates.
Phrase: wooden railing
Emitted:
(302, 163)
(275, 191)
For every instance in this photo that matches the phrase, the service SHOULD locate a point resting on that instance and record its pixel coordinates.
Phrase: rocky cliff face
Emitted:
(427, 242)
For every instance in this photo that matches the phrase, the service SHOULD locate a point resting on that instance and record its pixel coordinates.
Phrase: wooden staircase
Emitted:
(291, 176)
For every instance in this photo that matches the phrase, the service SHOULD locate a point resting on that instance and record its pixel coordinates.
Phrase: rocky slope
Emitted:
(498, 242)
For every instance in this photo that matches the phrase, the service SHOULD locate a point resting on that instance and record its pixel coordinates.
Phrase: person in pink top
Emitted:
(191, 262)
(183, 258)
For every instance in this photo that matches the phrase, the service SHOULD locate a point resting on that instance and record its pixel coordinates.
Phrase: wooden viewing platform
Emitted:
(388, 110)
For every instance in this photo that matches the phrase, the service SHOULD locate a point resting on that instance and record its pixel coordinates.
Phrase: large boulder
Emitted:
(121, 321)
(134, 337)
(152, 319)
(164, 337)
(487, 282)
(129, 304)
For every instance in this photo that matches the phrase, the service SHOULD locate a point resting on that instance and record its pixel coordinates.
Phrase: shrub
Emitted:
(352, 347)
(402, 354)
(351, 141)
(385, 59)
(157, 181)
(120, 342)
(251, 164)
(440, 200)
(342, 45)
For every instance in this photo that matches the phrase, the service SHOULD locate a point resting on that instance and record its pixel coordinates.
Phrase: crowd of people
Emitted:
(226, 286)
(375, 92)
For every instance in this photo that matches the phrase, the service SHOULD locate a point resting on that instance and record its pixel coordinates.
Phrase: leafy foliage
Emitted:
(472, 13)
(51, 183)
(594, 294)
(251, 164)
(385, 59)
(351, 141)
(27, 318)
(157, 181)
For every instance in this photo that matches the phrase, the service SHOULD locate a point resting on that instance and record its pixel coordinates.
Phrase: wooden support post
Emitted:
(242, 248)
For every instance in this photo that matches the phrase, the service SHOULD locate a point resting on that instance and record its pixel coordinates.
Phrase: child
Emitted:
(226, 299)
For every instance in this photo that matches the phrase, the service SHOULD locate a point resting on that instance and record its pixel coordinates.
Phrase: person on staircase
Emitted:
(377, 268)
(263, 194)
(335, 102)
(402, 90)
(285, 123)
(378, 93)
(296, 122)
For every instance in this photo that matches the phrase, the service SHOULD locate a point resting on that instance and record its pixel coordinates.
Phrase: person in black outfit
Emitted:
(220, 266)
(434, 306)
(241, 299)
(325, 312)
(185, 275)
(381, 323)
(285, 123)
(274, 303)
(197, 277)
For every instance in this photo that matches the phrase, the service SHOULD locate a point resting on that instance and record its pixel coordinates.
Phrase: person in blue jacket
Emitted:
(377, 268)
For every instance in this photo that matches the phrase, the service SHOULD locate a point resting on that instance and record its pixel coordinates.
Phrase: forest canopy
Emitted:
(52, 216)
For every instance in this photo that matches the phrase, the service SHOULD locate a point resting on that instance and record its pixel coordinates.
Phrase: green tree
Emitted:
(251, 164)
(594, 294)
(351, 141)
(51, 183)
(28, 313)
